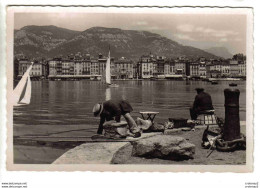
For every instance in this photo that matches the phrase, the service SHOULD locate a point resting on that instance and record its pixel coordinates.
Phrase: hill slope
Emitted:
(50, 41)
(219, 51)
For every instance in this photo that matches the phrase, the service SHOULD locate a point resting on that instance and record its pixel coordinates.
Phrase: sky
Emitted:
(198, 30)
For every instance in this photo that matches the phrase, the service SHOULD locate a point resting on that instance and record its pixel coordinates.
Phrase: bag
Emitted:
(156, 127)
(143, 124)
(115, 129)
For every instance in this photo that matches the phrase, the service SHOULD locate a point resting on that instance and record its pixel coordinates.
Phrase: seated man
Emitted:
(111, 109)
(202, 103)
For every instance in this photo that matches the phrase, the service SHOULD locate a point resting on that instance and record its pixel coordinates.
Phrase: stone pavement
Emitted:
(101, 151)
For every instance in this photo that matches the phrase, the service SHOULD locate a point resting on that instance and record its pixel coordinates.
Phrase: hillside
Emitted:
(51, 41)
(219, 51)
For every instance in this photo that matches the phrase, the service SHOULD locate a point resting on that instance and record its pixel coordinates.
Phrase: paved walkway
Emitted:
(102, 150)
(90, 153)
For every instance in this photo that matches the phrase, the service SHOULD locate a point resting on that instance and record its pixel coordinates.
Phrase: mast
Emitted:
(108, 73)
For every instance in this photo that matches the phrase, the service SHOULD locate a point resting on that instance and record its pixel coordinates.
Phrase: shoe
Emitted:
(136, 135)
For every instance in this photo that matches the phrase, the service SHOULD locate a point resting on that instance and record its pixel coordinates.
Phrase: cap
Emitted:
(97, 109)
(199, 89)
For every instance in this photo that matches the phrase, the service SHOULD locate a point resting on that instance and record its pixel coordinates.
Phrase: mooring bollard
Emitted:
(232, 121)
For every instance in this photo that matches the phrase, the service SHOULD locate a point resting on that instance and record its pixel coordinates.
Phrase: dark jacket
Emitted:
(114, 109)
(202, 102)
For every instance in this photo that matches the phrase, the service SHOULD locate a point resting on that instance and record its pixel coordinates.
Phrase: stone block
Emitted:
(164, 147)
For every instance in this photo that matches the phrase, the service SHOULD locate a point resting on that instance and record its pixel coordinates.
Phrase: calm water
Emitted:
(69, 103)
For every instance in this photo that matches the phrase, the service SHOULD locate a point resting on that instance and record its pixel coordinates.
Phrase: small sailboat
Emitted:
(22, 92)
(107, 77)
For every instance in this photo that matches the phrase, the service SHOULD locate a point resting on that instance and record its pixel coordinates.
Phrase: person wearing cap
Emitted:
(114, 109)
(202, 103)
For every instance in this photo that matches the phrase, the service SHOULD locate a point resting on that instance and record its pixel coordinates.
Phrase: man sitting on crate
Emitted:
(202, 104)
(111, 109)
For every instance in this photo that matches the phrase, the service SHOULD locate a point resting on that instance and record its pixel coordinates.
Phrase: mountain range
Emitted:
(219, 51)
(52, 41)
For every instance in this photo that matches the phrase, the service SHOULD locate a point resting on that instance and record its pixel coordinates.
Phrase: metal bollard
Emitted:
(232, 121)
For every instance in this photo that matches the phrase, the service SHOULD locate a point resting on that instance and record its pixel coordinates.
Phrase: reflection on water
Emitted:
(60, 103)
(108, 94)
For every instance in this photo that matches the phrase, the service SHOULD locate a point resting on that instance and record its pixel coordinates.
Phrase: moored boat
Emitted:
(232, 84)
(214, 82)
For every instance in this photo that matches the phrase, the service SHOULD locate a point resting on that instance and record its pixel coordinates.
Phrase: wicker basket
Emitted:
(115, 129)
(179, 122)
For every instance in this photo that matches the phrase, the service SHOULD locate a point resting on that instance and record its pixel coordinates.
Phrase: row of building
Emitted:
(148, 66)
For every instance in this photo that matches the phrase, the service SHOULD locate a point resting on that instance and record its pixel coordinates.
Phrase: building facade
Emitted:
(148, 67)
(234, 68)
(194, 69)
(123, 69)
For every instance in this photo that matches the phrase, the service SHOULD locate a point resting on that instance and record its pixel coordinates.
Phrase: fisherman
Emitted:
(111, 109)
(202, 104)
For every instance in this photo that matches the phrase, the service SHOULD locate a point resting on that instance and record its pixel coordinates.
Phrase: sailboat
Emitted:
(107, 76)
(22, 92)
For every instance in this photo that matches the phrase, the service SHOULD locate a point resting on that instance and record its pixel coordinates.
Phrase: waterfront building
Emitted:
(78, 64)
(55, 67)
(139, 70)
(158, 67)
(225, 69)
(202, 69)
(37, 69)
(187, 68)
(135, 70)
(123, 69)
(65, 67)
(146, 66)
(215, 68)
(242, 68)
(102, 64)
(45, 68)
(194, 69)
(86, 64)
(23, 66)
(167, 67)
(180, 67)
(94, 67)
(16, 68)
(234, 68)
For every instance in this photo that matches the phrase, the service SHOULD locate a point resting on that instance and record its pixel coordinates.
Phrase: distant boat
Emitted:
(232, 84)
(106, 77)
(22, 92)
(214, 82)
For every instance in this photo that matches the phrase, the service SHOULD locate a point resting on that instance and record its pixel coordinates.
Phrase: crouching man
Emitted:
(112, 110)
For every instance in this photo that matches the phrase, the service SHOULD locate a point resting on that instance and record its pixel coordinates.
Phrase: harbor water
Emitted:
(69, 103)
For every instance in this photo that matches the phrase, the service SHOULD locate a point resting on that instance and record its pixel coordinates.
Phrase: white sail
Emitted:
(20, 87)
(108, 74)
(27, 96)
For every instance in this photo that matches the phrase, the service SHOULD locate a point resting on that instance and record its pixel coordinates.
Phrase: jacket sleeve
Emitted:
(102, 121)
(196, 103)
